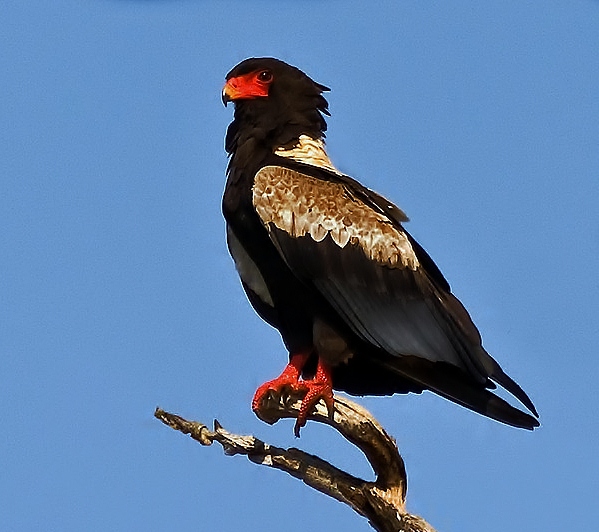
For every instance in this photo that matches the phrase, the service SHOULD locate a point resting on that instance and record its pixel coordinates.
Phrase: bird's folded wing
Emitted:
(336, 239)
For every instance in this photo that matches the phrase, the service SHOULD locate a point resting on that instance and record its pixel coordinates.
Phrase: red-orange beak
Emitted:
(230, 93)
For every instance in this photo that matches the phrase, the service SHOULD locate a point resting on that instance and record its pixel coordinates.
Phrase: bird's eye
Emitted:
(265, 76)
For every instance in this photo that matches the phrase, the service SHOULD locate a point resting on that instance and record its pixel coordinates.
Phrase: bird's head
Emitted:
(274, 102)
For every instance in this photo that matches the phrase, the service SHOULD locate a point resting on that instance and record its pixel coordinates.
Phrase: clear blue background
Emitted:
(480, 119)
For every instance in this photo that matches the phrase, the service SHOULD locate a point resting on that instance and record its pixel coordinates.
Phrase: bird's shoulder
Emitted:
(316, 202)
(306, 200)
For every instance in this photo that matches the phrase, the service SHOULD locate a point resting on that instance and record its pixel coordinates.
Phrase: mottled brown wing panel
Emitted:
(303, 205)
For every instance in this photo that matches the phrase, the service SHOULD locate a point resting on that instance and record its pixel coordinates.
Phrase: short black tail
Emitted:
(451, 383)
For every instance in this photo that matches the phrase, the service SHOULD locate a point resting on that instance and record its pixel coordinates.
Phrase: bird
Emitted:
(360, 305)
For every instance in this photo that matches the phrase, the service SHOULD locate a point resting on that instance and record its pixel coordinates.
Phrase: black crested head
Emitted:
(275, 103)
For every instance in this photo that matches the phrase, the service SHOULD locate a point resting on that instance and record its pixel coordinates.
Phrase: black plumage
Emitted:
(329, 264)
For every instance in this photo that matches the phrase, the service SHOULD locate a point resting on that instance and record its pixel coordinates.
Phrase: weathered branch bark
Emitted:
(382, 502)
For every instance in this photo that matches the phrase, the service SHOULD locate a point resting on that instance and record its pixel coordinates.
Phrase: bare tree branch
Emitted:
(382, 502)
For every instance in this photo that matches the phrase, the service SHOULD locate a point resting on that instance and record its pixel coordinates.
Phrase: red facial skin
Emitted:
(248, 86)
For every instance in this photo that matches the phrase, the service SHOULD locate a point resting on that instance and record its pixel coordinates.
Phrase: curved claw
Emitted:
(320, 387)
(288, 379)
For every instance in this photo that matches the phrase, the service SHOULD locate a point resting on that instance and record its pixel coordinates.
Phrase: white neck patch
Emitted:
(309, 151)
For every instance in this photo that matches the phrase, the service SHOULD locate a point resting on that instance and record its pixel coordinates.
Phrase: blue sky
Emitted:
(480, 119)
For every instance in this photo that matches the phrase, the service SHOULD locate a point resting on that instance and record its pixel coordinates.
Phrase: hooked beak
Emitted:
(230, 92)
(225, 96)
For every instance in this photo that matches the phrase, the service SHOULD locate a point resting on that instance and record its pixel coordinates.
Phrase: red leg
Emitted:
(320, 387)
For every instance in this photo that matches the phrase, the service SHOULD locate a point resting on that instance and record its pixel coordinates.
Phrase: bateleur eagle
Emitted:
(360, 305)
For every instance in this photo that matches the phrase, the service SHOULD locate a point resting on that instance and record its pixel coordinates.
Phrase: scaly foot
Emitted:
(320, 387)
(288, 379)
